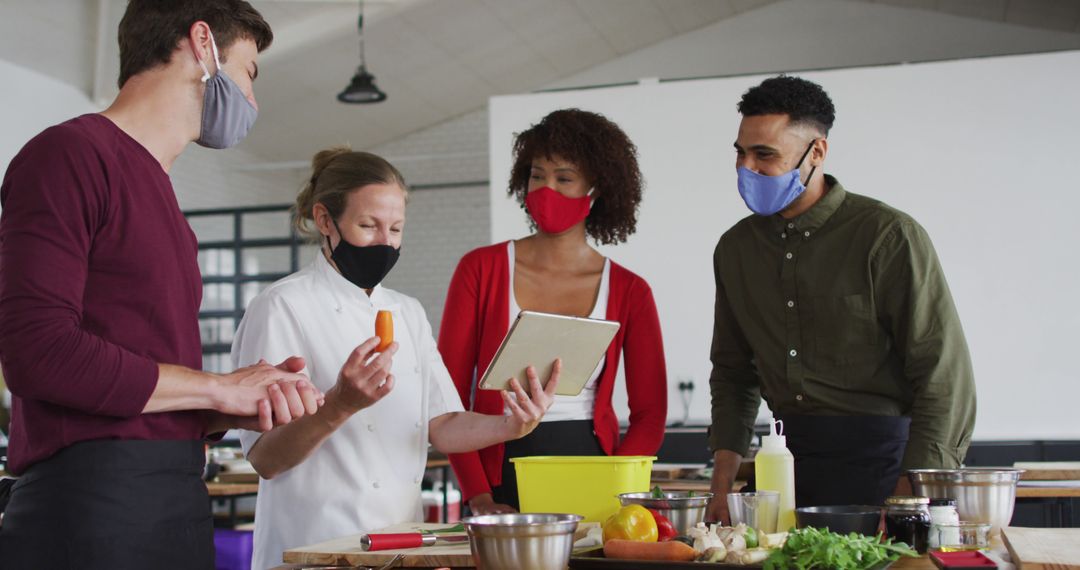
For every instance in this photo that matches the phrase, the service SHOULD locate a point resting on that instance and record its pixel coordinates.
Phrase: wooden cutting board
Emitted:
(346, 551)
(1049, 470)
(1043, 548)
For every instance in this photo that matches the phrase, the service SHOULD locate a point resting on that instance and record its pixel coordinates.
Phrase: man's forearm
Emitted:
(180, 388)
(725, 468)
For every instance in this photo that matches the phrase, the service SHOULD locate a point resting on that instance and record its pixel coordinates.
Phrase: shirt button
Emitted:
(789, 255)
(790, 226)
(790, 304)
(798, 397)
(806, 234)
(419, 425)
(375, 484)
(371, 427)
(783, 235)
(793, 353)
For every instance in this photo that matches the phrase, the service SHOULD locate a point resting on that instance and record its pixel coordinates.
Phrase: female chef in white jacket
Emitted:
(356, 465)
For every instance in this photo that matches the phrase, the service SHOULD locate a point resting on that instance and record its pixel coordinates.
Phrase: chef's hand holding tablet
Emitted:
(528, 409)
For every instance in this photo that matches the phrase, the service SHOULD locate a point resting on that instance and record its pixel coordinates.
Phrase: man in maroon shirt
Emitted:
(99, 298)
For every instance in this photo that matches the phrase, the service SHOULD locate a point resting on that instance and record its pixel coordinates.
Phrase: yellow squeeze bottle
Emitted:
(774, 469)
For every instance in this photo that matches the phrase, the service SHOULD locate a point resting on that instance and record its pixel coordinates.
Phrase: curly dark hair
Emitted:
(803, 101)
(607, 158)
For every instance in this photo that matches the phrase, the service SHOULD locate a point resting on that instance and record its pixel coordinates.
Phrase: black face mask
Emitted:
(364, 266)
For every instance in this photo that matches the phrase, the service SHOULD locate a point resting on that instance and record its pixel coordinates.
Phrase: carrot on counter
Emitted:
(384, 329)
(634, 550)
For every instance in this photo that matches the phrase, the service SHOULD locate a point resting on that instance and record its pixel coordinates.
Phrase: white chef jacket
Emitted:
(366, 475)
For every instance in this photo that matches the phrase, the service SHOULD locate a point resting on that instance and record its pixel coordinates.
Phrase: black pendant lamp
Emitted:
(362, 88)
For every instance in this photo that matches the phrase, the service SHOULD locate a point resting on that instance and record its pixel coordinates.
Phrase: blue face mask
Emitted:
(767, 195)
(227, 115)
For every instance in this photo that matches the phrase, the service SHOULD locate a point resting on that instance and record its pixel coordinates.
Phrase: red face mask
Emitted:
(555, 213)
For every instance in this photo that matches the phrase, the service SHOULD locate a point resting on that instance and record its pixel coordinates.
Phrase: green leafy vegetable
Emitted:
(657, 493)
(808, 548)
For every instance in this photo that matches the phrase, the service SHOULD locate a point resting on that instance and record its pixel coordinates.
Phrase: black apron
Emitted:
(572, 437)
(112, 504)
(846, 460)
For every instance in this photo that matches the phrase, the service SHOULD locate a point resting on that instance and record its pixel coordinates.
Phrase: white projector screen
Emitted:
(981, 153)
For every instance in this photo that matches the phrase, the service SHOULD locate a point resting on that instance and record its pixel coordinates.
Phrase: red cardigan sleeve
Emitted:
(646, 374)
(459, 344)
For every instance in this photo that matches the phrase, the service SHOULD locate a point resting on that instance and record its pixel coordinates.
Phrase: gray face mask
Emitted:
(227, 115)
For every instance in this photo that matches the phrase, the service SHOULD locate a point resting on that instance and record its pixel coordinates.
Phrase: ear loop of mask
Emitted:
(808, 149)
(217, 61)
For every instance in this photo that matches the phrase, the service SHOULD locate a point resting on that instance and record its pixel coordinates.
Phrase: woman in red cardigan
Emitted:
(576, 174)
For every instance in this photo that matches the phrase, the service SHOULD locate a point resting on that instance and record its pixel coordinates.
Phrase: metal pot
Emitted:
(522, 541)
(985, 495)
(683, 508)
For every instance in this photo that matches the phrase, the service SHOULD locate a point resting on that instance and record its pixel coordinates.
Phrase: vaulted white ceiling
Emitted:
(436, 59)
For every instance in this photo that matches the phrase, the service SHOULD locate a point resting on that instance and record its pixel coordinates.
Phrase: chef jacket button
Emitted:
(416, 369)
(790, 304)
(798, 397)
(806, 234)
(790, 225)
(375, 484)
(783, 235)
(794, 353)
(371, 427)
(419, 424)
(789, 255)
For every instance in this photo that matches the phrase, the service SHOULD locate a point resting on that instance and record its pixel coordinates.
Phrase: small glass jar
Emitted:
(963, 536)
(943, 513)
(907, 519)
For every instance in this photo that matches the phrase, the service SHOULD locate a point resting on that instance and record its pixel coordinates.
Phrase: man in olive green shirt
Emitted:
(834, 308)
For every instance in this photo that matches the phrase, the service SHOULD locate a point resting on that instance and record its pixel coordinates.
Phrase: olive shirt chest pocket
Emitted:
(844, 327)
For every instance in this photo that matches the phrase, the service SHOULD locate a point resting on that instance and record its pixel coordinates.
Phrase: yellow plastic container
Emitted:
(588, 486)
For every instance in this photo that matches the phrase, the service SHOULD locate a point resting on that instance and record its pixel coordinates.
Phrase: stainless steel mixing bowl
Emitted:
(683, 508)
(983, 494)
(531, 541)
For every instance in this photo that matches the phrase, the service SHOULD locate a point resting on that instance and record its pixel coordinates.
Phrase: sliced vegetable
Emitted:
(664, 529)
(384, 329)
(672, 550)
(751, 537)
(632, 522)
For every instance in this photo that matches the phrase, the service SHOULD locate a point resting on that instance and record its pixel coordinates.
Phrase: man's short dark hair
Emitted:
(151, 29)
(804, 102)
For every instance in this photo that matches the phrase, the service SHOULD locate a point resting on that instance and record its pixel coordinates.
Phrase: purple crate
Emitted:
(233, 549)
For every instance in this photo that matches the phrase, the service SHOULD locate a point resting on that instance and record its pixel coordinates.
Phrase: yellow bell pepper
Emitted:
(632, 522)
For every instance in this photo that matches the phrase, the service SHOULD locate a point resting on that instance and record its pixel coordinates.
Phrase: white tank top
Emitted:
(578, 407)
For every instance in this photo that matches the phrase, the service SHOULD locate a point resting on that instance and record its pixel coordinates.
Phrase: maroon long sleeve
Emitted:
(99, 282)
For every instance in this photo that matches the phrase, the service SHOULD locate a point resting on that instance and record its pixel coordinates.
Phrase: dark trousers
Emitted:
(574, 437)
(846, 460)
(111, 504)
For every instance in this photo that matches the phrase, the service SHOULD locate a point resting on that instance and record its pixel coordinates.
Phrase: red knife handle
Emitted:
(394, 541)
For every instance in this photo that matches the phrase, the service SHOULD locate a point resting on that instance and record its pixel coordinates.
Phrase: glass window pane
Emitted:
(219, 363)
(212, 228)
(261, 260)
(216, 331)
(217, 262)
(218, 297)
(264, 225)
(251, 289)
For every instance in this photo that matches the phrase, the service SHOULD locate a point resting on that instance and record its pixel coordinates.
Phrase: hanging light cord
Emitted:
(360, 30)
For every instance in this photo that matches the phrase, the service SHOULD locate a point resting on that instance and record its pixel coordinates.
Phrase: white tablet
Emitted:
(537, 339)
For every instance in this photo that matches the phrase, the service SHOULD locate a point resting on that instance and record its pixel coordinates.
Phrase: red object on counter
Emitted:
(393, 541)
(664, 529)
(960, 560)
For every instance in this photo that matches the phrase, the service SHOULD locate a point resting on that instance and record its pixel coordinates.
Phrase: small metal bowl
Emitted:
(685, 509)
(841, 519)
(529, 541)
